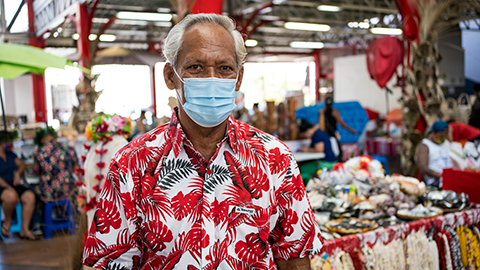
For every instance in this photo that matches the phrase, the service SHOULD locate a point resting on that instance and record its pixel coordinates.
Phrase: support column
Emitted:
(154, 91)
(318, 73)
(38, 81)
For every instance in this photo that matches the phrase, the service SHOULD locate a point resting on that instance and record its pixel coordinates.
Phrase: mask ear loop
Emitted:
(176, 90)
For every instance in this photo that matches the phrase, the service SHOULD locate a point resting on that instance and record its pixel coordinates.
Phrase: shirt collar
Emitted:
(176, 134)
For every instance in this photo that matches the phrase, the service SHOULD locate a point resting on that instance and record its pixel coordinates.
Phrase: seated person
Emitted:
(377, 127)
(11, 189)
(374, 128)
(320, 140)
(460, 132)
(56, 164)
(432, 154)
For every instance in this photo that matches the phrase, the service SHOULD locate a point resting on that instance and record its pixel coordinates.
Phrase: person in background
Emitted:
(320, 140)
(432, 155)
(374, 128)
(108, 134)
(377, 127)
(204, 191)
(460, 132)
(56, 164)
(328, 119)
(11, 189)
(474, 120)
(140, 124)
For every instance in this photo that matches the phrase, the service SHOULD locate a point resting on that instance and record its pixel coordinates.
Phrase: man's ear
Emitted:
(240, 78)
(169, 76)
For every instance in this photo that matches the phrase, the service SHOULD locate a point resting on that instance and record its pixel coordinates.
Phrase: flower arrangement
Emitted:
(6, 136)
(39, 134)
(105, 126)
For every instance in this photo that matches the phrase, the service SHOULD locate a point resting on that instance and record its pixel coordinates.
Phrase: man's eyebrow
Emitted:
(194, 60)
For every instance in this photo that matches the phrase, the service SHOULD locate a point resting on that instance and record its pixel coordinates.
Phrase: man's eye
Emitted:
(226, 68)
(194, 67)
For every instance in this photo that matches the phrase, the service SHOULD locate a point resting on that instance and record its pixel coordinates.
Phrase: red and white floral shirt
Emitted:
(165, 207)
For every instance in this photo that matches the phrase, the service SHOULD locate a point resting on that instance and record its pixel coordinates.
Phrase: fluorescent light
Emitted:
(328, 8)
(364, 25)
(386, 31)
(76, 36)
(353, 24)
(306, 45)
(92, 37)
(374, 20)
(144, 16)
(107, 38)
(307, 26)
(251, 43)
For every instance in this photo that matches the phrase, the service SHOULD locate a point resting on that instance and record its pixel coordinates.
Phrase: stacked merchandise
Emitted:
(358, 198)
(467, 156)
(437, 249)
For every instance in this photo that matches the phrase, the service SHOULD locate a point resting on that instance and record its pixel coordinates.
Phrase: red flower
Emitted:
(101, 152)
(338, 166)
(97, 188)
(99, 177)
(79, 184)
(87, 147)
(80, 171)
(101, 165)
(83, 158)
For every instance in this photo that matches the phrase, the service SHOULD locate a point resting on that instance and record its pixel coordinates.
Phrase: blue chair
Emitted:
(384, 161)
(65, 221)
(16, 225)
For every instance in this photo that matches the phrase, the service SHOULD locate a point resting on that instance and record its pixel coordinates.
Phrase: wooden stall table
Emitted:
(462, 181)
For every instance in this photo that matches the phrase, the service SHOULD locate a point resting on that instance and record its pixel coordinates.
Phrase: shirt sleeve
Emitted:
(112, 240)
(296, 234)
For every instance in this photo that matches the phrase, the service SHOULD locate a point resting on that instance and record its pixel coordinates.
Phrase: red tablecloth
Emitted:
(462, 181)
(382, 146)
(401, 231)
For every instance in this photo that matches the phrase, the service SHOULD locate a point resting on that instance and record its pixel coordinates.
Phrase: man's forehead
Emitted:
(211, 39)
(207, 30)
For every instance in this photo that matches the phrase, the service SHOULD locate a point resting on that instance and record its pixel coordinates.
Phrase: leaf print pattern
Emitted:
(164, 206)
(172, 172)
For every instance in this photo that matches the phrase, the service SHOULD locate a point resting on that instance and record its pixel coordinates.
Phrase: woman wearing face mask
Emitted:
(11, 189)
(432, 155)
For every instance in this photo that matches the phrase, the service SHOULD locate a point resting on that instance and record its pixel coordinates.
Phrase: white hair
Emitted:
(173, 43)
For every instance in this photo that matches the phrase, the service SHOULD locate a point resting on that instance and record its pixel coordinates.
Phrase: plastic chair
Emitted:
(16, 225)
(384, 161)
(51, 224)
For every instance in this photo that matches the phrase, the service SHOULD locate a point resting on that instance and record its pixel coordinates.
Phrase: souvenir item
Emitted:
(419, 212)
(351, 226)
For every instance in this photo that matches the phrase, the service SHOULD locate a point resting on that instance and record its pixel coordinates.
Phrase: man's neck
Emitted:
(205, 140)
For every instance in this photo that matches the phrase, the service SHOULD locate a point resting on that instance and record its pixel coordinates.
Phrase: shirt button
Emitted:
(209, 171)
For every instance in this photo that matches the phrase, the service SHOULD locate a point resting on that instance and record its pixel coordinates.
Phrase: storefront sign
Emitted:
(51, 13)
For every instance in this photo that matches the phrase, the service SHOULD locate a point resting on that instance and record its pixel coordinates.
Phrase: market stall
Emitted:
(463, 181)
(374, 219)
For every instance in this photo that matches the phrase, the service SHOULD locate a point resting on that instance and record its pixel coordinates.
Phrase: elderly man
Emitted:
(204, 191)
(433, 155)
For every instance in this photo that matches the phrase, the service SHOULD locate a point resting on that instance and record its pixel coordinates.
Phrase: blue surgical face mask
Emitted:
(208, 101)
